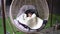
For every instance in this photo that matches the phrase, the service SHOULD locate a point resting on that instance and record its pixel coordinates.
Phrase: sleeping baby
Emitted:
(28, 18)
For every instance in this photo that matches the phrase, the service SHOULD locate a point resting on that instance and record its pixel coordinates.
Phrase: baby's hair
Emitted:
(31, 11)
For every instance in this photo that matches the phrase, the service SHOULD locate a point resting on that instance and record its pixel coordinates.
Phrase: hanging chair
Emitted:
(19, 7)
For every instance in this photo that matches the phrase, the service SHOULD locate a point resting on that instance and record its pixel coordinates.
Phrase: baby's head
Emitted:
(29, 12)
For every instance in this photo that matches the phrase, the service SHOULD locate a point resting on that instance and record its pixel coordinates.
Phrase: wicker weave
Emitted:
(41, 7)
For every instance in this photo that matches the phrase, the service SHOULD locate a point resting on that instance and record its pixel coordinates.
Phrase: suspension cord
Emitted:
(3, 15)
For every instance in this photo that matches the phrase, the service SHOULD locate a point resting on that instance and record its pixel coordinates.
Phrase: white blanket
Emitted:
(33, 22)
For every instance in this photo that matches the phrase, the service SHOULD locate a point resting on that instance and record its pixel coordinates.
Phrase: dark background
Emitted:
(54, 5)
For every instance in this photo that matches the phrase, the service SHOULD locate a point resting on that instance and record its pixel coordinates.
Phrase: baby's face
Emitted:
(29, 14)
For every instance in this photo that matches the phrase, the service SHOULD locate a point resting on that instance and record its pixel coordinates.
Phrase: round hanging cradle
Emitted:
(18, 7)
